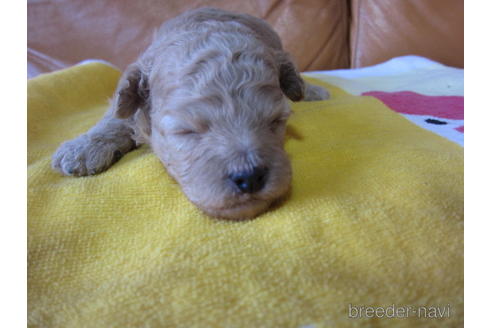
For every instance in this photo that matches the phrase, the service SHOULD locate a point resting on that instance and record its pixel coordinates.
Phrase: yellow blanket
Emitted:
(374, 223)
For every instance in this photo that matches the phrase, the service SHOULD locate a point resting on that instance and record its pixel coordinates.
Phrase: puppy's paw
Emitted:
(314, 92)
(85, 155)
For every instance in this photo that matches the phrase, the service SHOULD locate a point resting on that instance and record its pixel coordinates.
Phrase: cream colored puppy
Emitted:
(209, 96)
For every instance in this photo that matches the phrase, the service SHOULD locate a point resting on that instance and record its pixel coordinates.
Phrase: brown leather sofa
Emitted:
(320, 34)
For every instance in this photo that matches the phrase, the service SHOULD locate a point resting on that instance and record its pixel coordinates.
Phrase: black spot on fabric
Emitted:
(436, 122)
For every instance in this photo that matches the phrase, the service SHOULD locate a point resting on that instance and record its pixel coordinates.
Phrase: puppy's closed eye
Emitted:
(278, 121)
(184, 132)
(175, 126)
(275, 123)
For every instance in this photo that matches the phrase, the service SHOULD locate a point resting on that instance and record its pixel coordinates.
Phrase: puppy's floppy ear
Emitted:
(291, 82)
(132, 92)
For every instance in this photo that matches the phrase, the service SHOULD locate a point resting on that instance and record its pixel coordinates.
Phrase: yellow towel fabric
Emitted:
(375, 219)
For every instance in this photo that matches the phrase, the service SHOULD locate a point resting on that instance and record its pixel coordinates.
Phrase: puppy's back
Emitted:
(205, 20)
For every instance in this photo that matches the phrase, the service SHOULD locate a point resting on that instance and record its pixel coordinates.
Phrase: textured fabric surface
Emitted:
(375, 218)
(426, 92)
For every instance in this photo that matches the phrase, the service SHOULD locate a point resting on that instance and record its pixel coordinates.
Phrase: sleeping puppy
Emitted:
(209, 96)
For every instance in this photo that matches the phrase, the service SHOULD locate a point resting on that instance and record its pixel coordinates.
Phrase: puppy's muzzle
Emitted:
(250, 181)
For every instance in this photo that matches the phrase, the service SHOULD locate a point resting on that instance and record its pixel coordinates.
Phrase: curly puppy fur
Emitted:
(209, 96)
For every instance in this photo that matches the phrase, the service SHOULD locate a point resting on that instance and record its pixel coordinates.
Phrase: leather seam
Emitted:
(357, 36)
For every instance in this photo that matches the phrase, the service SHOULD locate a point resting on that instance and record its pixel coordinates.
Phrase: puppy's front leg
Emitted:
(97, 149)
(111, 138)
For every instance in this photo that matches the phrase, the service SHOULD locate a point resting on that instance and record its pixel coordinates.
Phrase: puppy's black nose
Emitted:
(250, 181)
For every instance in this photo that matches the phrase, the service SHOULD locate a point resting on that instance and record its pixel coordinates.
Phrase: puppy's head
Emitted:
(218, 126)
